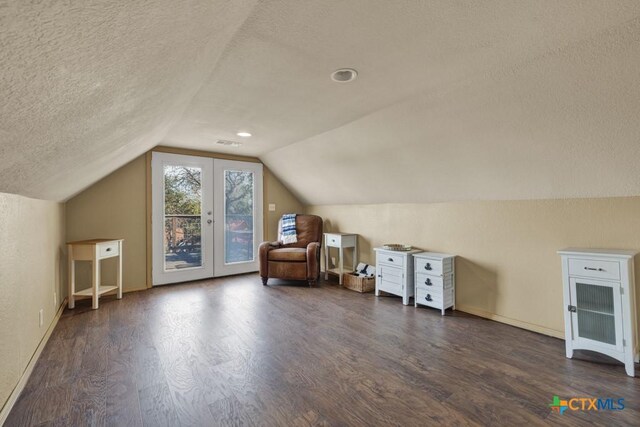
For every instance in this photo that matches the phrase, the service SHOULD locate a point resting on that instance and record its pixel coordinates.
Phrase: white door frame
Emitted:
(159, 275)
(219, 168)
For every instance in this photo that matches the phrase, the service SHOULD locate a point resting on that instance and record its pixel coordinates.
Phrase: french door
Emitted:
(237, 199)
(206, 217)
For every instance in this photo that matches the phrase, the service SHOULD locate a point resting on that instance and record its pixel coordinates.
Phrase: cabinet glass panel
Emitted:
(595, 313)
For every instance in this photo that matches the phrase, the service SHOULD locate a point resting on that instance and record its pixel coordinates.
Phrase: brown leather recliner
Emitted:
(295, 261)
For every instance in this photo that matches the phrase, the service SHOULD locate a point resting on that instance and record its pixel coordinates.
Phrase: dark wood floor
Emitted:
(232, 352)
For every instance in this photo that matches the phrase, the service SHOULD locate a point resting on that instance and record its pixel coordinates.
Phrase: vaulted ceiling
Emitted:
(454, 100)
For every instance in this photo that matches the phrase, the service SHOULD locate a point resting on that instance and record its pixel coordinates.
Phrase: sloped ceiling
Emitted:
(86, 86)
(454, 100)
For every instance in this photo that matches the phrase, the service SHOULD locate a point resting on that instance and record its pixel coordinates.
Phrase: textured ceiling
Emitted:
(86, 86)
(454, 101)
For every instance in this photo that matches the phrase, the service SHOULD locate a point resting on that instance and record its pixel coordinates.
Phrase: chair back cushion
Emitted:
(309, 229)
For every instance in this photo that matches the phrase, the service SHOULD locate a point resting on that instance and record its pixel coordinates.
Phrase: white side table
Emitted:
(340, 241)
(94, 251)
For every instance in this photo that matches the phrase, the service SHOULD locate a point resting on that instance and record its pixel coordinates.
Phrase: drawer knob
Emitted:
(594, 269)
(428, 297)
(390, 259)
(108, 249)
(380, 276)
(427, 266)
(428, 282)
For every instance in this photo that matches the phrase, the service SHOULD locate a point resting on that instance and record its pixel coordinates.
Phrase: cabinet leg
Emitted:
(405, 300)
(569, 352)
(628, 366)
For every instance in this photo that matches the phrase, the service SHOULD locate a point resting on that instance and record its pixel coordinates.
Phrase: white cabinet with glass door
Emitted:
(599, 304)
(206, 217)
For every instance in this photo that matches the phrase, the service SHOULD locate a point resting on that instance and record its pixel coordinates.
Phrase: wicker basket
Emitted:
(358, 284)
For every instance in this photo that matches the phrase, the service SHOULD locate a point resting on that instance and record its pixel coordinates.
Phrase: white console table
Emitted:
(340, 241)
(94, 250)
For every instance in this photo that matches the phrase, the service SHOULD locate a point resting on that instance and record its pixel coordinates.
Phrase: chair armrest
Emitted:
(313, 261)
(263, 255)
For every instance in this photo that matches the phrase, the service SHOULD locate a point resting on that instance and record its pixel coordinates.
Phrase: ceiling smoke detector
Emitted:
(344, 75)
(228, 143)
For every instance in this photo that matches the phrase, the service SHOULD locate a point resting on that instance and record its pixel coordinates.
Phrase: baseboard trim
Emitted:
(13, 397)
(512, 322)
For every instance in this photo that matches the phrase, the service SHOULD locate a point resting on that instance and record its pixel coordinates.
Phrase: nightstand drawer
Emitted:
(334, 240)
(434, 290)
(106, 250)
(441, 299)
(429, 281)
(390, 259)
(429, 266)
(608, 270)
(429, 298)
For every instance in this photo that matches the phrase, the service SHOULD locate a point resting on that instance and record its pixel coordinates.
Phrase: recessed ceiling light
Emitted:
(243, 134)
(344, 75)
(229, 143)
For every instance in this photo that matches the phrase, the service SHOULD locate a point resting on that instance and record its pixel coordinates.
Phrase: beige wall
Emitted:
(32, 268)
(285, 201)
(116, 207)
(507, 267)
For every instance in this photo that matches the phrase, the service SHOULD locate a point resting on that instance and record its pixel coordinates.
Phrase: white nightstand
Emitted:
(94, 251)
(394, 273)
(340, 241)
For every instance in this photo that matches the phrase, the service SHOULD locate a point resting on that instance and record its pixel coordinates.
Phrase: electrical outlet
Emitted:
(41, 317)
(272, 207)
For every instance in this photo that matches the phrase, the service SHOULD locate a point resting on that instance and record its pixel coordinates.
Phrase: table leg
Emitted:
(326, 262)
(119, 272)
(95, 278)
(355, 255)
(341, 266)
(72, 278)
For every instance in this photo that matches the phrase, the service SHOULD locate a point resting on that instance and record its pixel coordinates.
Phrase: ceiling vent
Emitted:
(344, 75)
(228, 143)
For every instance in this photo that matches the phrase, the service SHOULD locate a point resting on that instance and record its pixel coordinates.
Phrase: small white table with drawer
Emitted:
(435, 280)
(94, 250)
(340, 241)
(394, 273)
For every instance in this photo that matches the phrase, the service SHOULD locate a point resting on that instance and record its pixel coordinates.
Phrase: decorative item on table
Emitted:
(397, 247)
(365, 270)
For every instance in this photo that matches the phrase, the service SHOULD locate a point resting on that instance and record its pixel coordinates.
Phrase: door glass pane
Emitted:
(238, 216)
(182, 217)
(595, 311)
